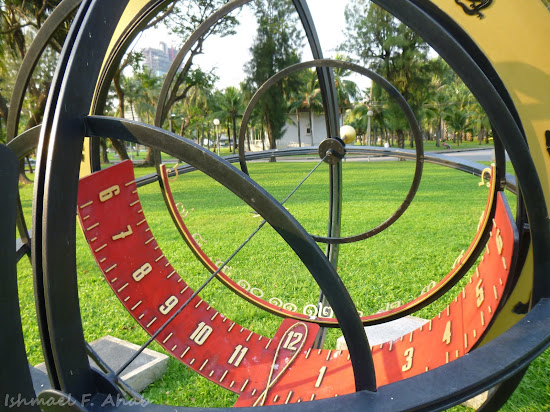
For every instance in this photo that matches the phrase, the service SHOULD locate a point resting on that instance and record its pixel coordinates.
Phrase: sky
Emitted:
(229, 54)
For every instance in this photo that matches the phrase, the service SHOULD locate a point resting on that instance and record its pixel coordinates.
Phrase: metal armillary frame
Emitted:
(100, 33)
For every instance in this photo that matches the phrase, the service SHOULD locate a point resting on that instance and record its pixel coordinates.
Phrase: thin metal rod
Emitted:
(210, 278)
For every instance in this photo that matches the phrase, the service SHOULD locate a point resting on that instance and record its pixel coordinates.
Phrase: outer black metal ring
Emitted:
(43, 36)
(392, 91)
(503, 122)
(510, 352)
(15, 378)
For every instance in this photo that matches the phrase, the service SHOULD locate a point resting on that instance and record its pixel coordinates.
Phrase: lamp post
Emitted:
(171, 122)
(217, 123)
(369, 116)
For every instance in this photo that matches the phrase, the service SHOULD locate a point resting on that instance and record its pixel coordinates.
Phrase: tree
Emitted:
(346, 90)
(230, 104)
(275, 47)
(391, 49)
(19, 22)
(187, 17)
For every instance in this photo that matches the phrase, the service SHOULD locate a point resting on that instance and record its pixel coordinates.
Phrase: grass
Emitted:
(392, 266)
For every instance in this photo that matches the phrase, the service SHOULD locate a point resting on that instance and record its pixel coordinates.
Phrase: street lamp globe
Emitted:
(347, 134)
(216, 122)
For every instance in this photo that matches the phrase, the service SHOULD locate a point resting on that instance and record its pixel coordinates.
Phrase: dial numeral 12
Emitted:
(291, 344)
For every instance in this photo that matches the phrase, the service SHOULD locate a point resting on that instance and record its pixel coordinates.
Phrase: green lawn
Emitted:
(392, 266)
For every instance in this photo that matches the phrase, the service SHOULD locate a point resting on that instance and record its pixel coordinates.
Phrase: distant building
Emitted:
(158, 60)
(312, 132)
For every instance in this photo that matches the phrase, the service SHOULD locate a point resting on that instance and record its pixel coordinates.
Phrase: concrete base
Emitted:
(40, 379)
(385, 332)
(144, 370)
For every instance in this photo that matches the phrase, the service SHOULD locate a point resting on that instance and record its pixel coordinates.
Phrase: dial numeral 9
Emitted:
(170, 303)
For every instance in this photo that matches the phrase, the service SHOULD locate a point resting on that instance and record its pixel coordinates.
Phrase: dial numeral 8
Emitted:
(142, 272)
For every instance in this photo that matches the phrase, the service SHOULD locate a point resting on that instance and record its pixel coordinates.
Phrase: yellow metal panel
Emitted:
(515, 36)
(134, 9)
(522, 293)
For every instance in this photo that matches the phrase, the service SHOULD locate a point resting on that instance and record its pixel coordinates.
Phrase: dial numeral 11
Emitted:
(238, 355)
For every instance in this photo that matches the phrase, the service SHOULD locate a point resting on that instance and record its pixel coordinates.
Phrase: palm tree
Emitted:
(436, 108)
(347, 91)
(230, 106)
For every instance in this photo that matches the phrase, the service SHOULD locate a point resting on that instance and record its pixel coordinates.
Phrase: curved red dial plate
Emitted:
(284, 368)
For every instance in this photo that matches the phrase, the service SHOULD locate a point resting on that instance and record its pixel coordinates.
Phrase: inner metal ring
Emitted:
(392, 91)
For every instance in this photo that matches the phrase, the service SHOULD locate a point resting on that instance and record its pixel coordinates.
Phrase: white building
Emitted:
(312, 132)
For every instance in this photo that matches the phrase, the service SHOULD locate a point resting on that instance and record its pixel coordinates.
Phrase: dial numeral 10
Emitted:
(142, 272)
(238, 355)
(202, 333)
(292, 340)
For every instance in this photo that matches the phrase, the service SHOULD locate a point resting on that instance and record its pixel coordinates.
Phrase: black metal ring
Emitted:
(392, 91)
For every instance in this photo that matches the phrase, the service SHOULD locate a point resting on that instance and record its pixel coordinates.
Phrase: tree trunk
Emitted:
(120, 148)
(23, 179)
(311, 127)
(229, 136)
(149, 160)
(272, 143)
(438, 133)
(263, 138)
(299, 131)
(400, 139)
(104, 157)
(235, 145)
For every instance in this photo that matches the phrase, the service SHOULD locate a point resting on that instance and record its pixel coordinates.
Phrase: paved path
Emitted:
(482, 155)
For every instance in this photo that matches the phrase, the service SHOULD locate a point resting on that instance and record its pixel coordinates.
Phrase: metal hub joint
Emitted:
(332, 150)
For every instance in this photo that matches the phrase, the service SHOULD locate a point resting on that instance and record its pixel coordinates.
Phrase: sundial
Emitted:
(484, 337)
